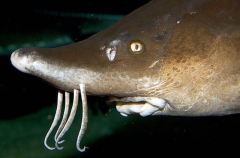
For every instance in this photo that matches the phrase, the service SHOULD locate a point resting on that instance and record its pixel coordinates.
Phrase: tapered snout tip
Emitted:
(20, 60)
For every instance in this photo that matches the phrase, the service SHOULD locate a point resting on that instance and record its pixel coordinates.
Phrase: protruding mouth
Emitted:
(19, 60)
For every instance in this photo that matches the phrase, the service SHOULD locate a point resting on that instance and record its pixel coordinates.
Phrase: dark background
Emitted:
(27, 101)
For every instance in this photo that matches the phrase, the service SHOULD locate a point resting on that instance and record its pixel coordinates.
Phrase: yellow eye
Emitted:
(136, 47)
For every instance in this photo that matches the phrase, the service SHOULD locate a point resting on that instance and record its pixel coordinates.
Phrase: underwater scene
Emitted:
(28, 104)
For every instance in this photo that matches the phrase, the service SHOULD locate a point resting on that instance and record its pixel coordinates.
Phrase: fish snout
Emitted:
(22, 59)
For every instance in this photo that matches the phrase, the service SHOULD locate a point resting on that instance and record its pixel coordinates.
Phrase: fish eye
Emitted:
(136, 47)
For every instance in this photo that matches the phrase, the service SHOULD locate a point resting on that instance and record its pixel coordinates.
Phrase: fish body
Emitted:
(168, 57)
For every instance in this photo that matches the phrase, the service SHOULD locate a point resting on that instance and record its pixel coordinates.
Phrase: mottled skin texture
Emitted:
(191, 58)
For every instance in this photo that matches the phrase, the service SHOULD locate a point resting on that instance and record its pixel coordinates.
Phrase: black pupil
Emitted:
(136, 47)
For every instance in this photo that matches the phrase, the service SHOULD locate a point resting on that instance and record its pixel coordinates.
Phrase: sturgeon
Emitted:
(168, 57)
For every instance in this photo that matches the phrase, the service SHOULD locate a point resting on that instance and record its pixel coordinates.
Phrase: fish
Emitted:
(168, 57)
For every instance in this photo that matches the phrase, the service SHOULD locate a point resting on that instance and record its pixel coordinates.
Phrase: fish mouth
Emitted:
(145, 106)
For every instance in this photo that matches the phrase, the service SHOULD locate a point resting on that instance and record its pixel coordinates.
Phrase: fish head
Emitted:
(119, 65)
(120, 60)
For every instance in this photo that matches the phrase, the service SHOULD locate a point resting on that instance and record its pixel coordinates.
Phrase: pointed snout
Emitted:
(48, 65)
(24, 59)
(20, 60)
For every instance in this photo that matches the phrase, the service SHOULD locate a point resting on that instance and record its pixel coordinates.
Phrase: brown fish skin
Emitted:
(190, 58)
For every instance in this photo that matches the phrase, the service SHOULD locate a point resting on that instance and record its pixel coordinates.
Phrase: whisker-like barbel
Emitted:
(64, 119)
(55, 120)
(70, 118)
(84, 118)
(67, 122)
